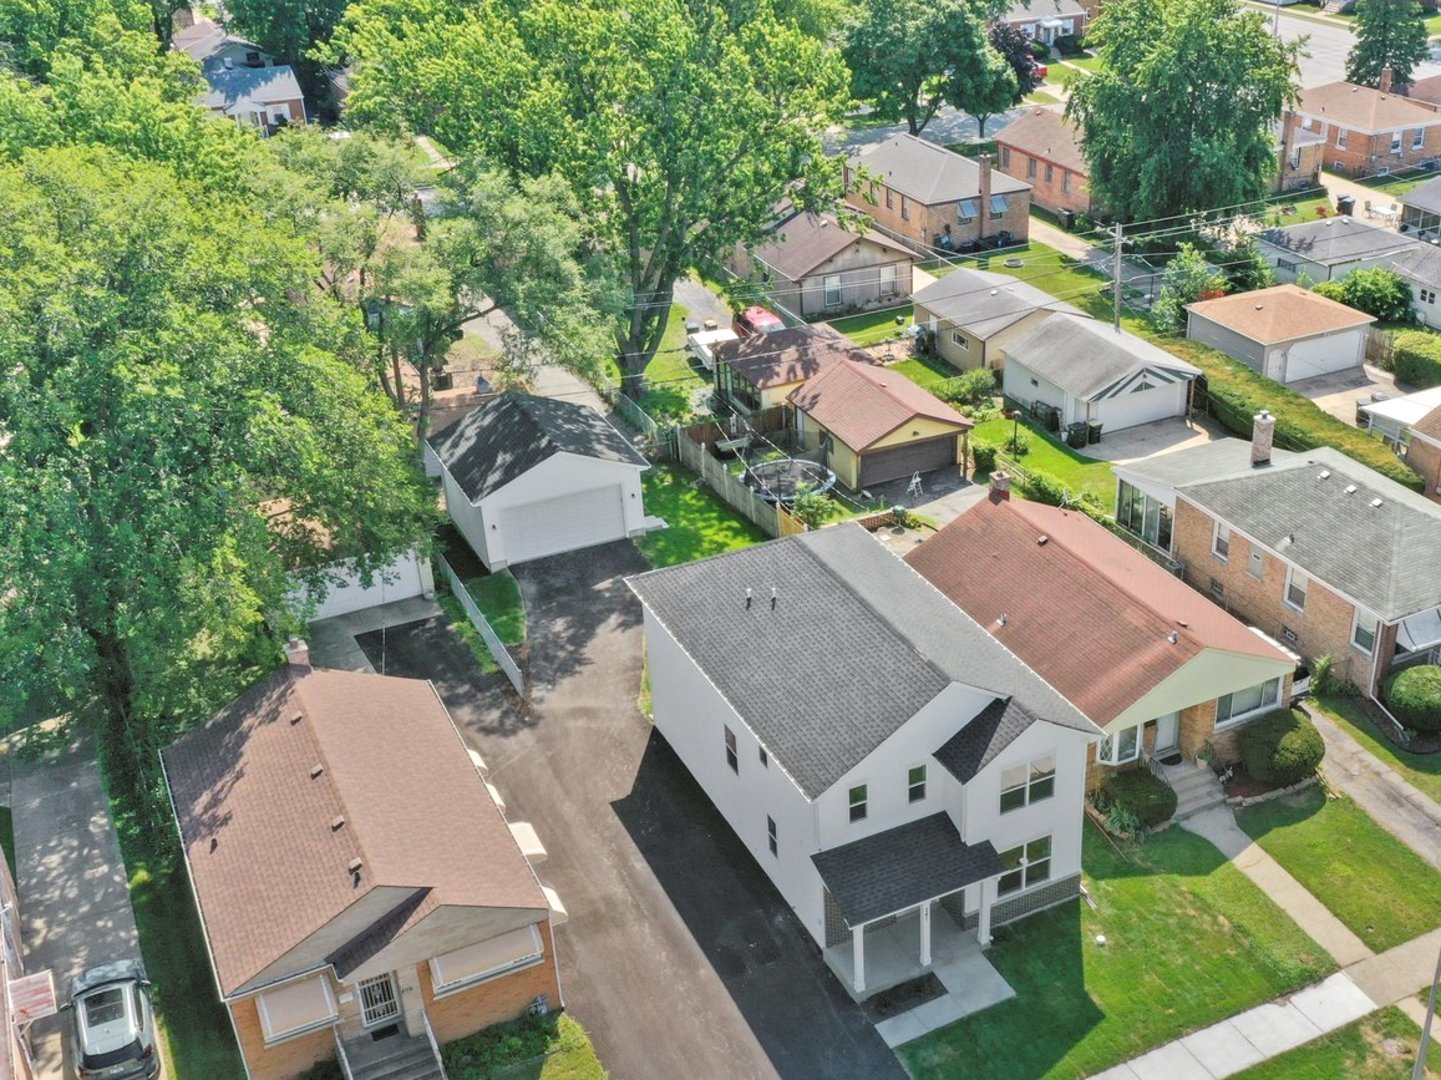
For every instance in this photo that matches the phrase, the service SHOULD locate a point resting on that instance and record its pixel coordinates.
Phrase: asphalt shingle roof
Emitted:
(1335, 240)
(1422, 264)
(901, 867)
(1046, 134)
(984, 739)
(1085, 357)
(929, 173)
(984, 303)
(1425, 196)
(861, 404)
(231, 87)
(856, 644)
(1209, 461)
(506, 438)
(1387, 556)
(801, 243)
(1280, 313)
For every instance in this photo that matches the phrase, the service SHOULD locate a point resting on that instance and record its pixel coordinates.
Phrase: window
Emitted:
(832, 286)
(888, 279)
(1024, 784)
(1286, 264)
(966, 211)
(1242, 703)
(858, 803)
(916, 784)
(1363, 632)
(960, 340)
(1418, 138)
(905, 210)
(1295, 157)
(295, 1007)
(771, 835)
(486, 960)
(1218, 590)
(1030, 168)
(1256, 564)
(1027, 865)
(999, 204)
(1221, 542)
(890, 199)
(765, 758)
(1065, 183)
(1296, 589)
(732, 759)
(1340, 138)
(1119, 747)
(1050, 172)
(1289, 636)
(1139, 513)
(1425, 296)
(1395, 142)
(1005, 158)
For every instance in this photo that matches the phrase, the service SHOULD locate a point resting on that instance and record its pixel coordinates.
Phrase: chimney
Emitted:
(985, 219)
(1000, 486)
(297, 653)
(1289, 123)
(1385, 84)
(1263, 432)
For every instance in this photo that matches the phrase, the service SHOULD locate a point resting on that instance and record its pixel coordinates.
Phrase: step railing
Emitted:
(341, 1056)
(434, 1046)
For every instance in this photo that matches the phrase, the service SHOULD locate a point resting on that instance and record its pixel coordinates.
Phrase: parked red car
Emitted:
(1041, 71)
(756, 320)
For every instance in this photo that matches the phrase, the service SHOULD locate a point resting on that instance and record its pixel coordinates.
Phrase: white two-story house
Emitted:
(888, 763)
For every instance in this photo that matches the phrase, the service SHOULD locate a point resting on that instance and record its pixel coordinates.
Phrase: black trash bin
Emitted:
(441, 380)
(1068, 220)
(1345, 205)
(1093, 431)
(1076, 435)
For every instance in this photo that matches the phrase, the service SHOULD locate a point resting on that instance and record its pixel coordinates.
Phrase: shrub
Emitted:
(1070, 45)
(1042, 488)
(973, 388)
(1018, 443)
(1323, 675)
(1151, 800)
(984, 457)
(1039, 50)
(1414, 695)
(322, 1070)
(811, 508)
(496, 1048)
(1416, 358)
(1282, 747)
(1376, 290)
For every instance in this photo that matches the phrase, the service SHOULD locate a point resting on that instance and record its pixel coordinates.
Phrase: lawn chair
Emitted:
(1366, 207)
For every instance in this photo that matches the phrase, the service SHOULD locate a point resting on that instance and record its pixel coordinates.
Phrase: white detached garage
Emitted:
(526, 477)
(1091, 371)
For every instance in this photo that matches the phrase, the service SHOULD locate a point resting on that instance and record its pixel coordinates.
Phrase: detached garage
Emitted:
(526, 477)
(1092, 371)
(1286, 333)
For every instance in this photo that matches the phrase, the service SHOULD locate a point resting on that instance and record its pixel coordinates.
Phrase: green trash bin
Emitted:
(1076, 435)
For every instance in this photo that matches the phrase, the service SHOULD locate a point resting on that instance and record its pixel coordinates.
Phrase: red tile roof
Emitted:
(270, 840)
(860, 404)
(1089, 613)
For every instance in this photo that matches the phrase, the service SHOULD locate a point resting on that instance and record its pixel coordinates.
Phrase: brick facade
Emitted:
(283, 1060)
(1366, 155)
(1053, 186)
(1425, 458)
(924, 223)
(1322, 629)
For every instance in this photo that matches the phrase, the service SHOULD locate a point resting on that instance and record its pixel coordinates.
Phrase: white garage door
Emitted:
(534, 530)
(1321, 356)
(1141, 406)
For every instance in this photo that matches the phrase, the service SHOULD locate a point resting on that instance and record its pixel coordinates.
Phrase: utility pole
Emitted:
(1116, 282)
(1419, 1073)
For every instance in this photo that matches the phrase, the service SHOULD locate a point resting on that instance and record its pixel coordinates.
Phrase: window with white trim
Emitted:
(485, 960)
(832, 286)
(905, 210)
(960, 340)
(1027, 865)
(1050, 172)
(1030, 168)
(888, 279)
(916, 783)
(1221, 542)
(1119, 747)
(1065, 182)
(1363, 631)
(858, 799)
(890, 204)
(1242, 703)
(771, 841)
(1296, 583)
(732, 758)
(1027, 783)
(1341, 134)
(1395, 142)
(294, 1008)
(1418, 138)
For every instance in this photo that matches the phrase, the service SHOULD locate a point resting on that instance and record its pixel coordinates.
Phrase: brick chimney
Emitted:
(1289, 123)
(1263, 433)
(297, 653)
(1000, 486)
(1385, 84)
(985, 219)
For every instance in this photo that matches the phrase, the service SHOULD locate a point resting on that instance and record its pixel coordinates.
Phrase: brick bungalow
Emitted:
(1424, 452)
(1042, 148)
(1367, 131)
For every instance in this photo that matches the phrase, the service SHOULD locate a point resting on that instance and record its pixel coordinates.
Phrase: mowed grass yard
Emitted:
(1421, 771)
(1189, 941)
(700, 522)
(1382, 890)
(1076, 471)
(498, 597)
(1381, 1046)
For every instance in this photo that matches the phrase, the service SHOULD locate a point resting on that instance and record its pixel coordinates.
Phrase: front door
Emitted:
(1168, 733)
(379, 1002)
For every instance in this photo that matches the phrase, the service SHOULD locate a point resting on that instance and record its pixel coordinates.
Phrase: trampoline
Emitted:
(782, 480)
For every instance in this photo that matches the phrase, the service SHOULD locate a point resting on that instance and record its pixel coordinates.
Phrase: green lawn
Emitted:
(700, 523)
(1076, 471)
(1381, 1046)
(462, 625)
(1189, 941)
(1382, 890)
(1091, 63)
(1421, 771)
(873, 327)
(553, 1047)
(925, 371)
(671, 377)
(1040, 97)
(498, 597)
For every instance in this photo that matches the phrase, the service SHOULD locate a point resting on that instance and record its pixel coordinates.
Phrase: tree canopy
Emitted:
(1181, 116)
(1389, 34)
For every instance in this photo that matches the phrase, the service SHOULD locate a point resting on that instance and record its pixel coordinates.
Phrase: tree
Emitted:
(1187, 278)
(1389, 34)
(707, 124)
(1377, 290)
(981, 81)
(1015, 48)
(289, 29)
(182, 443)
(1181, 116)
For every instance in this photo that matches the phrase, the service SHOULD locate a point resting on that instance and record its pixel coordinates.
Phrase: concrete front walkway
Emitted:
(73, 890)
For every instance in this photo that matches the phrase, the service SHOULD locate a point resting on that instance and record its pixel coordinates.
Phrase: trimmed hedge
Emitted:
(984, 457)
(1150, 800)
(1282, 747)
(1414, 695)
(1416, 358)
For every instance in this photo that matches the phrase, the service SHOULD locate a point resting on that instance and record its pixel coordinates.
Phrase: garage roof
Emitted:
(860, 404)
(1087, 359)
(494, 444)
(1280, 313)
(984, 303)
(1335, 240)
(783, 357)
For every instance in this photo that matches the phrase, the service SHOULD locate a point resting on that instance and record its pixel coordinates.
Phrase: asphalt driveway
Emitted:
(679, 955)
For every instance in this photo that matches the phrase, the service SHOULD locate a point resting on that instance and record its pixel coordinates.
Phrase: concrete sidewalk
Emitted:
(73, 888)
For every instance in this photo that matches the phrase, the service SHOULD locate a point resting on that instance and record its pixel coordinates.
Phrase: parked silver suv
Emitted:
(112, 1029)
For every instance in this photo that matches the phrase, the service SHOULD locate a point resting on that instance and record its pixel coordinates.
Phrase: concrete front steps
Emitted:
(1196, 789)
(393, 1058)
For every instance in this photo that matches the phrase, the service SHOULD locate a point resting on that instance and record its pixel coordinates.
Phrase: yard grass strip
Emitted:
(1189, 941)
(498, 597)
(1382, 890)
(1075, 471)
(1421, 771)
(1381, 1046)
(700, 522)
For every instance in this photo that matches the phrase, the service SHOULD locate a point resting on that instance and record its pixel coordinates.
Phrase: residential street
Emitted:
(1328, 42)
(679, 956)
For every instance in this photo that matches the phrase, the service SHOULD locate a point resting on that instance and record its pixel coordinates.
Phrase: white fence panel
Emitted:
(492, 640)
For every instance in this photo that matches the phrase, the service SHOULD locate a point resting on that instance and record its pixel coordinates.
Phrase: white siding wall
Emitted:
(1251, 353)
(468, 519)
(1022, 384)
(1318, 355)
(409, 575)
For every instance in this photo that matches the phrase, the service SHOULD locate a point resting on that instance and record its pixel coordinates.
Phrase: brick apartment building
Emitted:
(1367, 131)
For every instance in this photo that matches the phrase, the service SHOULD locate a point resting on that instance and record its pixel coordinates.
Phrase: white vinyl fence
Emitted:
(492, 640)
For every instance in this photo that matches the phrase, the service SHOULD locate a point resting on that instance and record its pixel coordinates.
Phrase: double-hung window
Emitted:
(1256, 563)
(1027, 783)
(1030, 168)
(960, 340)
(1418, 138)
(1221, 542)
(916, 783)
(1341, 138)
(1027, 865)
(1395, 142)
(732, 758)
(1242, 703)
(858, 800)
(832, 286)
(771, 841)
(1296, 589)
(1363, 631)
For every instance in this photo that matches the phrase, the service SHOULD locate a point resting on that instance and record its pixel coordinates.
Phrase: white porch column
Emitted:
(983, 929)
(858, 958)
(926, 934)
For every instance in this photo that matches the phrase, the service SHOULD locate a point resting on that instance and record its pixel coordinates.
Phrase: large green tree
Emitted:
(1389, 34)
(1181, 116)
(676, 128)
(182, 438)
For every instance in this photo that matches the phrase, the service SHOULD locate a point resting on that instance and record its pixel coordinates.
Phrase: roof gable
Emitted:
(803, 243)
(860, 404)
(1048, 135)
(984, 303)
(1089, 359)
(928, 173)
(1364, 108)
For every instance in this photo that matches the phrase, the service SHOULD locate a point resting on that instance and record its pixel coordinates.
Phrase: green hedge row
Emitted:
(1282, 747)
(1414, 695)
(1416, 358)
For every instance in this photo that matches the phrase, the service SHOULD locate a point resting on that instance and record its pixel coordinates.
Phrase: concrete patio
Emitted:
(1338, 392)
(1151, 440)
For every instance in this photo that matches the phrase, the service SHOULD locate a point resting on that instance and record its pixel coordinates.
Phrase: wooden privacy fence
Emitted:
(487, 632)
(718, 478)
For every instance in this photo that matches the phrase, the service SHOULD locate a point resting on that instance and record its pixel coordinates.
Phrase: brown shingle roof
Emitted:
(803, 242)
(1430, 424)
(1363, 109)
(1280, 313)
(860, 403)
(788, 356)
(1045, 134)
(1090, 614)
(269, 841)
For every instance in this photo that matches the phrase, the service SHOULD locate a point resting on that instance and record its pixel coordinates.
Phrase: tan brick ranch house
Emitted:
(1152, 663)
(360, 890)
(1042, 148)
(1369, 131)
(1423, 453)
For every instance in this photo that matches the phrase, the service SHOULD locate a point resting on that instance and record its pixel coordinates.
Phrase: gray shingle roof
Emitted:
(985, 303)
(1086, 358)
(494, 444)
(1425, 196)
(1335, 240)
(856, 644)
(929, 173)
(1027, 10)
(1209, 461)
(800, 244)
(1387, 557)
(1422, 264)
(901, 867)
(263, 86)
(984, 739)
